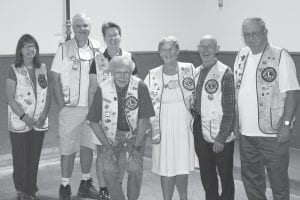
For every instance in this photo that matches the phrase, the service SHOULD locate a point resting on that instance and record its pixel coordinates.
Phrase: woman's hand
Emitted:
(28, 120)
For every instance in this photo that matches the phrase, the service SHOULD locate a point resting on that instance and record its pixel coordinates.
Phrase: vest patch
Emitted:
(24, 72)
(211, 86)
(269, 74)
(188, 83)
(42, 81)
(131, 103)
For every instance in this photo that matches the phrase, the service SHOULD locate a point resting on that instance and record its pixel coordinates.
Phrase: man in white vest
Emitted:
(99, 71)
(70, 72)
(214, 120)
(119, 116)
(266, 92)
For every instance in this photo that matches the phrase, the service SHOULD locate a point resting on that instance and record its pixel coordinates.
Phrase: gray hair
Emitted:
(119, 62)
(258, 20)
(78, 16)
(171, 39)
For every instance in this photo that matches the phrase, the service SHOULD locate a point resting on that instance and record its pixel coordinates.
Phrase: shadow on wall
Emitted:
(145, 62)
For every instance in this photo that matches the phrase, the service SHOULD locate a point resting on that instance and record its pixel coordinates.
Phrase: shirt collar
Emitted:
(106, 55)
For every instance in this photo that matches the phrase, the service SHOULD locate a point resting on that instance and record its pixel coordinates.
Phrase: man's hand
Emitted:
(108, 153)
(136, 157)
(109, 159)
(218, 147)
(283, 134)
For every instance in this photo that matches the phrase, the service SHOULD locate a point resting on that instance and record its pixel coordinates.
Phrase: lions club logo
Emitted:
(269, 74)
(42, 81)
(211, 86)
(131, 103)
(188, 83)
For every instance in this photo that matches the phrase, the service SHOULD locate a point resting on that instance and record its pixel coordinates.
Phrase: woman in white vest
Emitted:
(171, 87)
(28, 100)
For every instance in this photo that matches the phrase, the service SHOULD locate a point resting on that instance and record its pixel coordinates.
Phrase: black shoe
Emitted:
(87, 189)
(65, 192)
(104, 195)
(21, 195)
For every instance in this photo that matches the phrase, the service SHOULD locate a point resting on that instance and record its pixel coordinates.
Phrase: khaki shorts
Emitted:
(74, 131)
(95, 140)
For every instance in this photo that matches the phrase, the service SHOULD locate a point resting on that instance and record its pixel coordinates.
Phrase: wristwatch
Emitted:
(287, 123)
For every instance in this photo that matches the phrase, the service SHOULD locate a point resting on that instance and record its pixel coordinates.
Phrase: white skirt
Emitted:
(175, 153)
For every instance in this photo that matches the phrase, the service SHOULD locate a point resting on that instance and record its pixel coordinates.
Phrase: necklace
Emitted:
(30, 66)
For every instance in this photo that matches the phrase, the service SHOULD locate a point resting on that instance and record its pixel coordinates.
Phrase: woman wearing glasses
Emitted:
(28, 100)
(171, 87)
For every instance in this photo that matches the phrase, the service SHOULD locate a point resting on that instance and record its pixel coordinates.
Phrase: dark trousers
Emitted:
(211, 164)
(258, 154)
(26, 151)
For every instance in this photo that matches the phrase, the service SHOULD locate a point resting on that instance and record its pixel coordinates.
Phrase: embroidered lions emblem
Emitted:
(188, 83)
(269, 74)
(42, 81)
(131, 103)
(211, 86)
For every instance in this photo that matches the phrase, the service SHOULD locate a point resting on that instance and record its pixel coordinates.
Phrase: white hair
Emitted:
(81, 16)
(119, 62)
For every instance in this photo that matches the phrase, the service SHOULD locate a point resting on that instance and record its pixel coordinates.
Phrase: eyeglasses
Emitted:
(202, 48)
(122, 74)
(253, 34)
(172, 49)
(29, 47)
(112, 35)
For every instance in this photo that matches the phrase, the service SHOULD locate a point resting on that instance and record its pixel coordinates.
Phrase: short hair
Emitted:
(259, 20)
(108, 25)
(171, 39)
(113, 64)
(78, 16)
(27, 38)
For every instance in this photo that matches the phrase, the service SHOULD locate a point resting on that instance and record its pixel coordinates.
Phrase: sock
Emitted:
(65, 181)
(85, 176)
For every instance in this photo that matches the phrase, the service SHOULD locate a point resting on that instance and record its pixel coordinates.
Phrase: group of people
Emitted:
(103, 106)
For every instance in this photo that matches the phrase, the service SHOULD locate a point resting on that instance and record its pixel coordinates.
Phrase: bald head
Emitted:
(209, 39)
(208, 48)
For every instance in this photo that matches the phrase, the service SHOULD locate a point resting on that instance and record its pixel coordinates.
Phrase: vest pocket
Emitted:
(275, 116)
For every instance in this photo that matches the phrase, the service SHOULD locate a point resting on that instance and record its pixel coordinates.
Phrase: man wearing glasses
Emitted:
(266, 85)
(70, 73)
(98, 74)
(119, 115)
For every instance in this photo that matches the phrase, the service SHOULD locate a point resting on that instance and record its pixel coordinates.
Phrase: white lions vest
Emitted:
(154, 81)
(102, 70)
(110, 107)
(270, 101)
(32, 102)
(211, 103)
(71, 70)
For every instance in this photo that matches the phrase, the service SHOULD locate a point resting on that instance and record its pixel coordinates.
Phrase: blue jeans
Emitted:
(114, 168)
